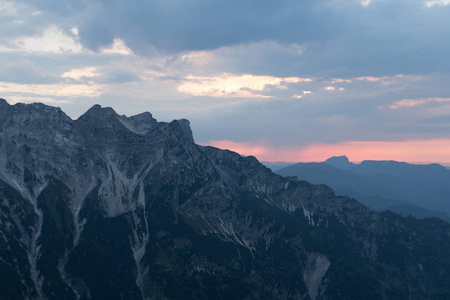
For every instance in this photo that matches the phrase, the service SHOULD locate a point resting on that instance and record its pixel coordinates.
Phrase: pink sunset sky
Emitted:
(412, 151)
(281, 80)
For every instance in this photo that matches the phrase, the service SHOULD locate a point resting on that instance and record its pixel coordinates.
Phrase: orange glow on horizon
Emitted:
(413, 151)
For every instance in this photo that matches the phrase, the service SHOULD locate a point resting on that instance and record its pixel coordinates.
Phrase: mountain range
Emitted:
(408, 189)
(114, 207)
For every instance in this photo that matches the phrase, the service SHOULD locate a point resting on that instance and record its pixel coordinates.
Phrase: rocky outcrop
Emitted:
(315, 269)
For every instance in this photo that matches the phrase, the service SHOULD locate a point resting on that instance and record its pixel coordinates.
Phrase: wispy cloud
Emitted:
(196, 58)
(374, 79)
(27, 99)
(117, 47)
(332, 88)
(437, 2)
(78, 74)
(7, 9)
(341, 80)
(405, 103)
(51, 90)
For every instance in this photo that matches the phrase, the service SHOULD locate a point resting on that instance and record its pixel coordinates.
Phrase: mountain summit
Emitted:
(340, 162)
(116, 207)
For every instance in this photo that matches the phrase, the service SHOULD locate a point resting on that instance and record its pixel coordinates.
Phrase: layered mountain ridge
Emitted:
(420, 190)
(116, 207)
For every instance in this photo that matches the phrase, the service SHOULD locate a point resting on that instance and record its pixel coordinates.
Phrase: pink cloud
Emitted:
(341, 80)
(413, 151)
(372, 79)
(416, 102)
(235, 86)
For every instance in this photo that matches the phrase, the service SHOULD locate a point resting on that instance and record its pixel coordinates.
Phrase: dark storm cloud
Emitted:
(340, 37)
(195, 25)
(204, 24)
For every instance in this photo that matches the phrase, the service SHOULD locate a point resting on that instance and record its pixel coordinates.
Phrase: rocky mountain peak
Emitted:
(3, 102)
(110, 205)
(182, 129)
(106, 117)
(339, 162)
(36, 116)
(97, 111)
(139, 124)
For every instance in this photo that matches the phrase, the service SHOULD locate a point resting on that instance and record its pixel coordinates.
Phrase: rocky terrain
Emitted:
(116, 207)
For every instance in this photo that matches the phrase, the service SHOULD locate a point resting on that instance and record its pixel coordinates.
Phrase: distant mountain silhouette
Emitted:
(340, 162)
(277, 165)
(419, 190)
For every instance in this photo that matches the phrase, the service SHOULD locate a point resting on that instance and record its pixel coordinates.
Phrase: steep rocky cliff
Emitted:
(115, 207)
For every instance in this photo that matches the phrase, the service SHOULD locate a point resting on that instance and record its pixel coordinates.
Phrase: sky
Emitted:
(285, 80)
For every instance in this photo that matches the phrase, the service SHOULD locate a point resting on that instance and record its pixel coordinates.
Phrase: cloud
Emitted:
(17, 68)
(437, 2)
(116, 47)
(7, 9)
(17, 19)
(52, 40)
(233, 67)
(390, 36)
(337, 120)
(118, 76)
(197, 58)
(169, 25)
(51, 90)
(28, 99)
(372, 78)
(235, 86)
(108, 75)
(78, 74)
(404, 103)
(340, 80)
(388, 79)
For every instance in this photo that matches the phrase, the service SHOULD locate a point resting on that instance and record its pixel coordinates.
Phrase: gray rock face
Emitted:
(116, 207)
(316, 267)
